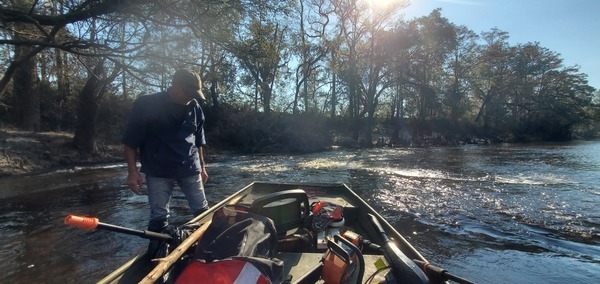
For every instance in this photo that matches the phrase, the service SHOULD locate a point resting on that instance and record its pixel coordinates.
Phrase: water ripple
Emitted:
(475, 210)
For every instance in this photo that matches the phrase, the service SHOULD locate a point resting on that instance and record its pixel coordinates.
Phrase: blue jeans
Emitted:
(159, 197)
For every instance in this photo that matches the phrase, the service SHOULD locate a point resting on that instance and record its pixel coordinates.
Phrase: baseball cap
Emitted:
(190, 81)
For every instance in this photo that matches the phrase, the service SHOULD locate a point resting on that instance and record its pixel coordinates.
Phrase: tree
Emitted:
(492, 77)
(436, 39)
(47, 28)
(90, 97)
(34, 31)
(262, 55)
(363, 67)
(340, 57)
(460, 64)
(145, 39)
(562, 105)
(314, 45)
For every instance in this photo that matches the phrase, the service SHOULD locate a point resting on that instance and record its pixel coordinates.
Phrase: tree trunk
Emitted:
(266, 92)
(25, 88)
(370, 121)
(87, 111)
(214, 95)
(333, 95)
(368, 140)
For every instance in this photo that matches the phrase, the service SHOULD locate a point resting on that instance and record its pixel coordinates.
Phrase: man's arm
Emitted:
(134, 178)
(204, 175)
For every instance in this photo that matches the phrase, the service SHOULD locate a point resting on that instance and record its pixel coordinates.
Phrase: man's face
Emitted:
(181, 95)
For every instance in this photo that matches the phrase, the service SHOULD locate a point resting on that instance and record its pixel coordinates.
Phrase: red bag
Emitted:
(222, 272)
(238, 246)
(325, 214)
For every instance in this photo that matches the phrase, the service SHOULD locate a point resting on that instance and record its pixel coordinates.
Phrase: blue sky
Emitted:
(568, 27)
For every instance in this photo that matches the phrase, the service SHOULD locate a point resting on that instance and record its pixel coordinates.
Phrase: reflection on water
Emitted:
(528, 212)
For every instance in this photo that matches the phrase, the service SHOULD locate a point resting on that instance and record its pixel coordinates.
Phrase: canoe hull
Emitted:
(357, 215)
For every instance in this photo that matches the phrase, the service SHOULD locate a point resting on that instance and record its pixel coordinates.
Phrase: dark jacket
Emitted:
(167, 135)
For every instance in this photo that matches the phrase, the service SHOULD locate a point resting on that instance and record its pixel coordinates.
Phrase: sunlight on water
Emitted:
(265, 168)
(320, 163)
(85, 168)
(497, 200)
(513, 266)
(417, 173)
(533, 179)
(530, 212)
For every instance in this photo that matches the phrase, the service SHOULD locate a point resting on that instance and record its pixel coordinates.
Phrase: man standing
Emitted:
(167, 129)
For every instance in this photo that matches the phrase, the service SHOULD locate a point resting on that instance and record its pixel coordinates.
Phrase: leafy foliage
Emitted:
(278, 73)
(244, 130)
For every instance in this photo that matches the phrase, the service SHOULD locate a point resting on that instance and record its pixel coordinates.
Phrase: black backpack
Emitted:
(237, 235)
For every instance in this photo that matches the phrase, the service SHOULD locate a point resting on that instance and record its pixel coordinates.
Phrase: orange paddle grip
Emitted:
(88, 223)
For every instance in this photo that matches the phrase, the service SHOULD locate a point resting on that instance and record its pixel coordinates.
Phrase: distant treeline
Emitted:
(286, 75)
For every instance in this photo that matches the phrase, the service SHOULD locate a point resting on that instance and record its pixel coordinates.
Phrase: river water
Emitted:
(491, 214)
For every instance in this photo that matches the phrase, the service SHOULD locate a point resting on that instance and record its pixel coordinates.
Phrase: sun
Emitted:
(385, 4)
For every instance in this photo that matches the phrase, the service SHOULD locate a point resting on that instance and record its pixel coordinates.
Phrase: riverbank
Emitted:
(25, 152)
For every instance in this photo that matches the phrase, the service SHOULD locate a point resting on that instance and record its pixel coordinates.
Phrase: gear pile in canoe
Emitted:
(278, 233)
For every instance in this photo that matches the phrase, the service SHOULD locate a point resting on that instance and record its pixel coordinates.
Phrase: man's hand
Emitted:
(135, 181)
(204, 176)
(203, 173)
(134, 178)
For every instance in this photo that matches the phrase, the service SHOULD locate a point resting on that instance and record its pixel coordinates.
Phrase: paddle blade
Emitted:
(87, 223)
(403, 268)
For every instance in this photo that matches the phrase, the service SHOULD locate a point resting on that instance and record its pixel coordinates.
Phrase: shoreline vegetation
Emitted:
(270, 86)
(27, 152)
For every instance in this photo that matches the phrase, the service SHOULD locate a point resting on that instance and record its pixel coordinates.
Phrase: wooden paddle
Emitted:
(166, 262)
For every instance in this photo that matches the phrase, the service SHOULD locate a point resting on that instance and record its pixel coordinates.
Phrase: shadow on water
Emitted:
(41, 248)
(496, 214)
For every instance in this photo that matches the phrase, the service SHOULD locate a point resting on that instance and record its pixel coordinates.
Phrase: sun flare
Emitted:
(383, 4)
